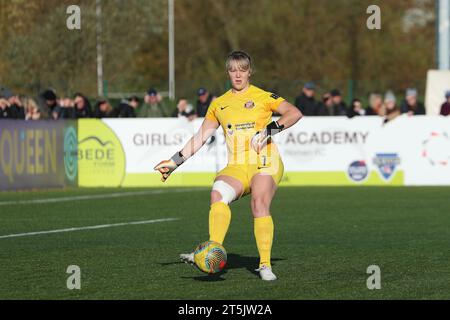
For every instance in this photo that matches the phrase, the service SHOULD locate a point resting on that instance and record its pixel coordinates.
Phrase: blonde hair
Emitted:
(29, 104)
(243, 60)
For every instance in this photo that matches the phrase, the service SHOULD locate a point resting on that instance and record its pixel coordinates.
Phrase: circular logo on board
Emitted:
(436, 149)
(358, 171)
(101, 158)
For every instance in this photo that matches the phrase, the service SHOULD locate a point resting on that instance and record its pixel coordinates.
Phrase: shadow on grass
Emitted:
(234, 261)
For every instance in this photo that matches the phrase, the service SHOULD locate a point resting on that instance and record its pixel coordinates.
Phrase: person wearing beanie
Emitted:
(306, 102)
(203, 102)
(445, 108)
(411, 105)
(339, 106)
(154, 106)
(51, 104)
(390, 104)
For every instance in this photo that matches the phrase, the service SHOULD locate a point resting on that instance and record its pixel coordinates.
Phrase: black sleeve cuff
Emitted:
(273, 128)
(178, 158)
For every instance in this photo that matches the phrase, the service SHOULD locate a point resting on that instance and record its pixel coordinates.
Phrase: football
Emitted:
(210, 257)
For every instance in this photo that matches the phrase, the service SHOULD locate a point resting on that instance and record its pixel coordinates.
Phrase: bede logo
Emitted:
(101, 158)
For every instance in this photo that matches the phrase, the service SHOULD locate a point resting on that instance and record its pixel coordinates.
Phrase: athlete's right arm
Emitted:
(207, 129)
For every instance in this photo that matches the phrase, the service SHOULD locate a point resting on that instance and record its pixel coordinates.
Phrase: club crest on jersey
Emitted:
(249, 105)
(230, 132)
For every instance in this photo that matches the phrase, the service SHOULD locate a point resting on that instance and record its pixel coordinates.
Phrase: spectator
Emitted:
(325, 108)
(153, 107)
(127, 108)
(184, 109)
(356, 109)
(103, 109)
(392, 110)
(66, 109)
(16, 105)
(134, 102)
(32, 111)
(203, 102)
(51, 104)
(339, 106)
(5, 110)
(445, 108)
(411, 105)
(375, 107)
(82, 106)
(305, 102)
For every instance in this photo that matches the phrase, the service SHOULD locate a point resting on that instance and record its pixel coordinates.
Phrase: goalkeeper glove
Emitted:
(261, 138)
(166, 167)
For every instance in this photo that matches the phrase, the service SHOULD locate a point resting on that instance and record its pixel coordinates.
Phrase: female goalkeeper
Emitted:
(254, 164)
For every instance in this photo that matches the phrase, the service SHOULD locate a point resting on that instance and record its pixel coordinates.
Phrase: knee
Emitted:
(260, 206)
(223, 192)
(215, 197)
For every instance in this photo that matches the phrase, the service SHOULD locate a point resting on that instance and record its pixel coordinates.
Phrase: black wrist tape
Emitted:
(178, 158)
(273, 128)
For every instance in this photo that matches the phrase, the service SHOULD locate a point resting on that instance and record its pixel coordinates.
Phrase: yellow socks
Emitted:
(264, 237)
(219, 221)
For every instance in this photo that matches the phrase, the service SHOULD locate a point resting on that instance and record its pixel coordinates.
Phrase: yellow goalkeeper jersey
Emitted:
(241, 115)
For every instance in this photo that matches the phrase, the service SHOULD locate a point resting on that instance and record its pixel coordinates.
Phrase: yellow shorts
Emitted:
(245, 172)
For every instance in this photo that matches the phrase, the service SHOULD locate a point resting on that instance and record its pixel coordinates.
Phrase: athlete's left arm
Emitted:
(290, 115)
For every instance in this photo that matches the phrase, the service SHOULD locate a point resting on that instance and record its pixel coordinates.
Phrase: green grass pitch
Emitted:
(325, 238)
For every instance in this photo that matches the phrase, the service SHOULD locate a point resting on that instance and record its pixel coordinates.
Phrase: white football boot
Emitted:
(266, 273)
(187, 257)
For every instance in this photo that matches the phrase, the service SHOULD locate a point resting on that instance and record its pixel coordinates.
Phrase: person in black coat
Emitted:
(445, 108)
(103, 109)
(411, 105)
(82, 106)
(17, 109)
(305, 102)
(51, 104)
(203, 102)
(325, 108)
(356, 109)
(5, 109)
(127, 108)
(66, 109)
(339, 106)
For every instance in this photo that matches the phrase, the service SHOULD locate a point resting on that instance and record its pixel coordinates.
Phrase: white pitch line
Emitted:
(97, 196)
(86, 228)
